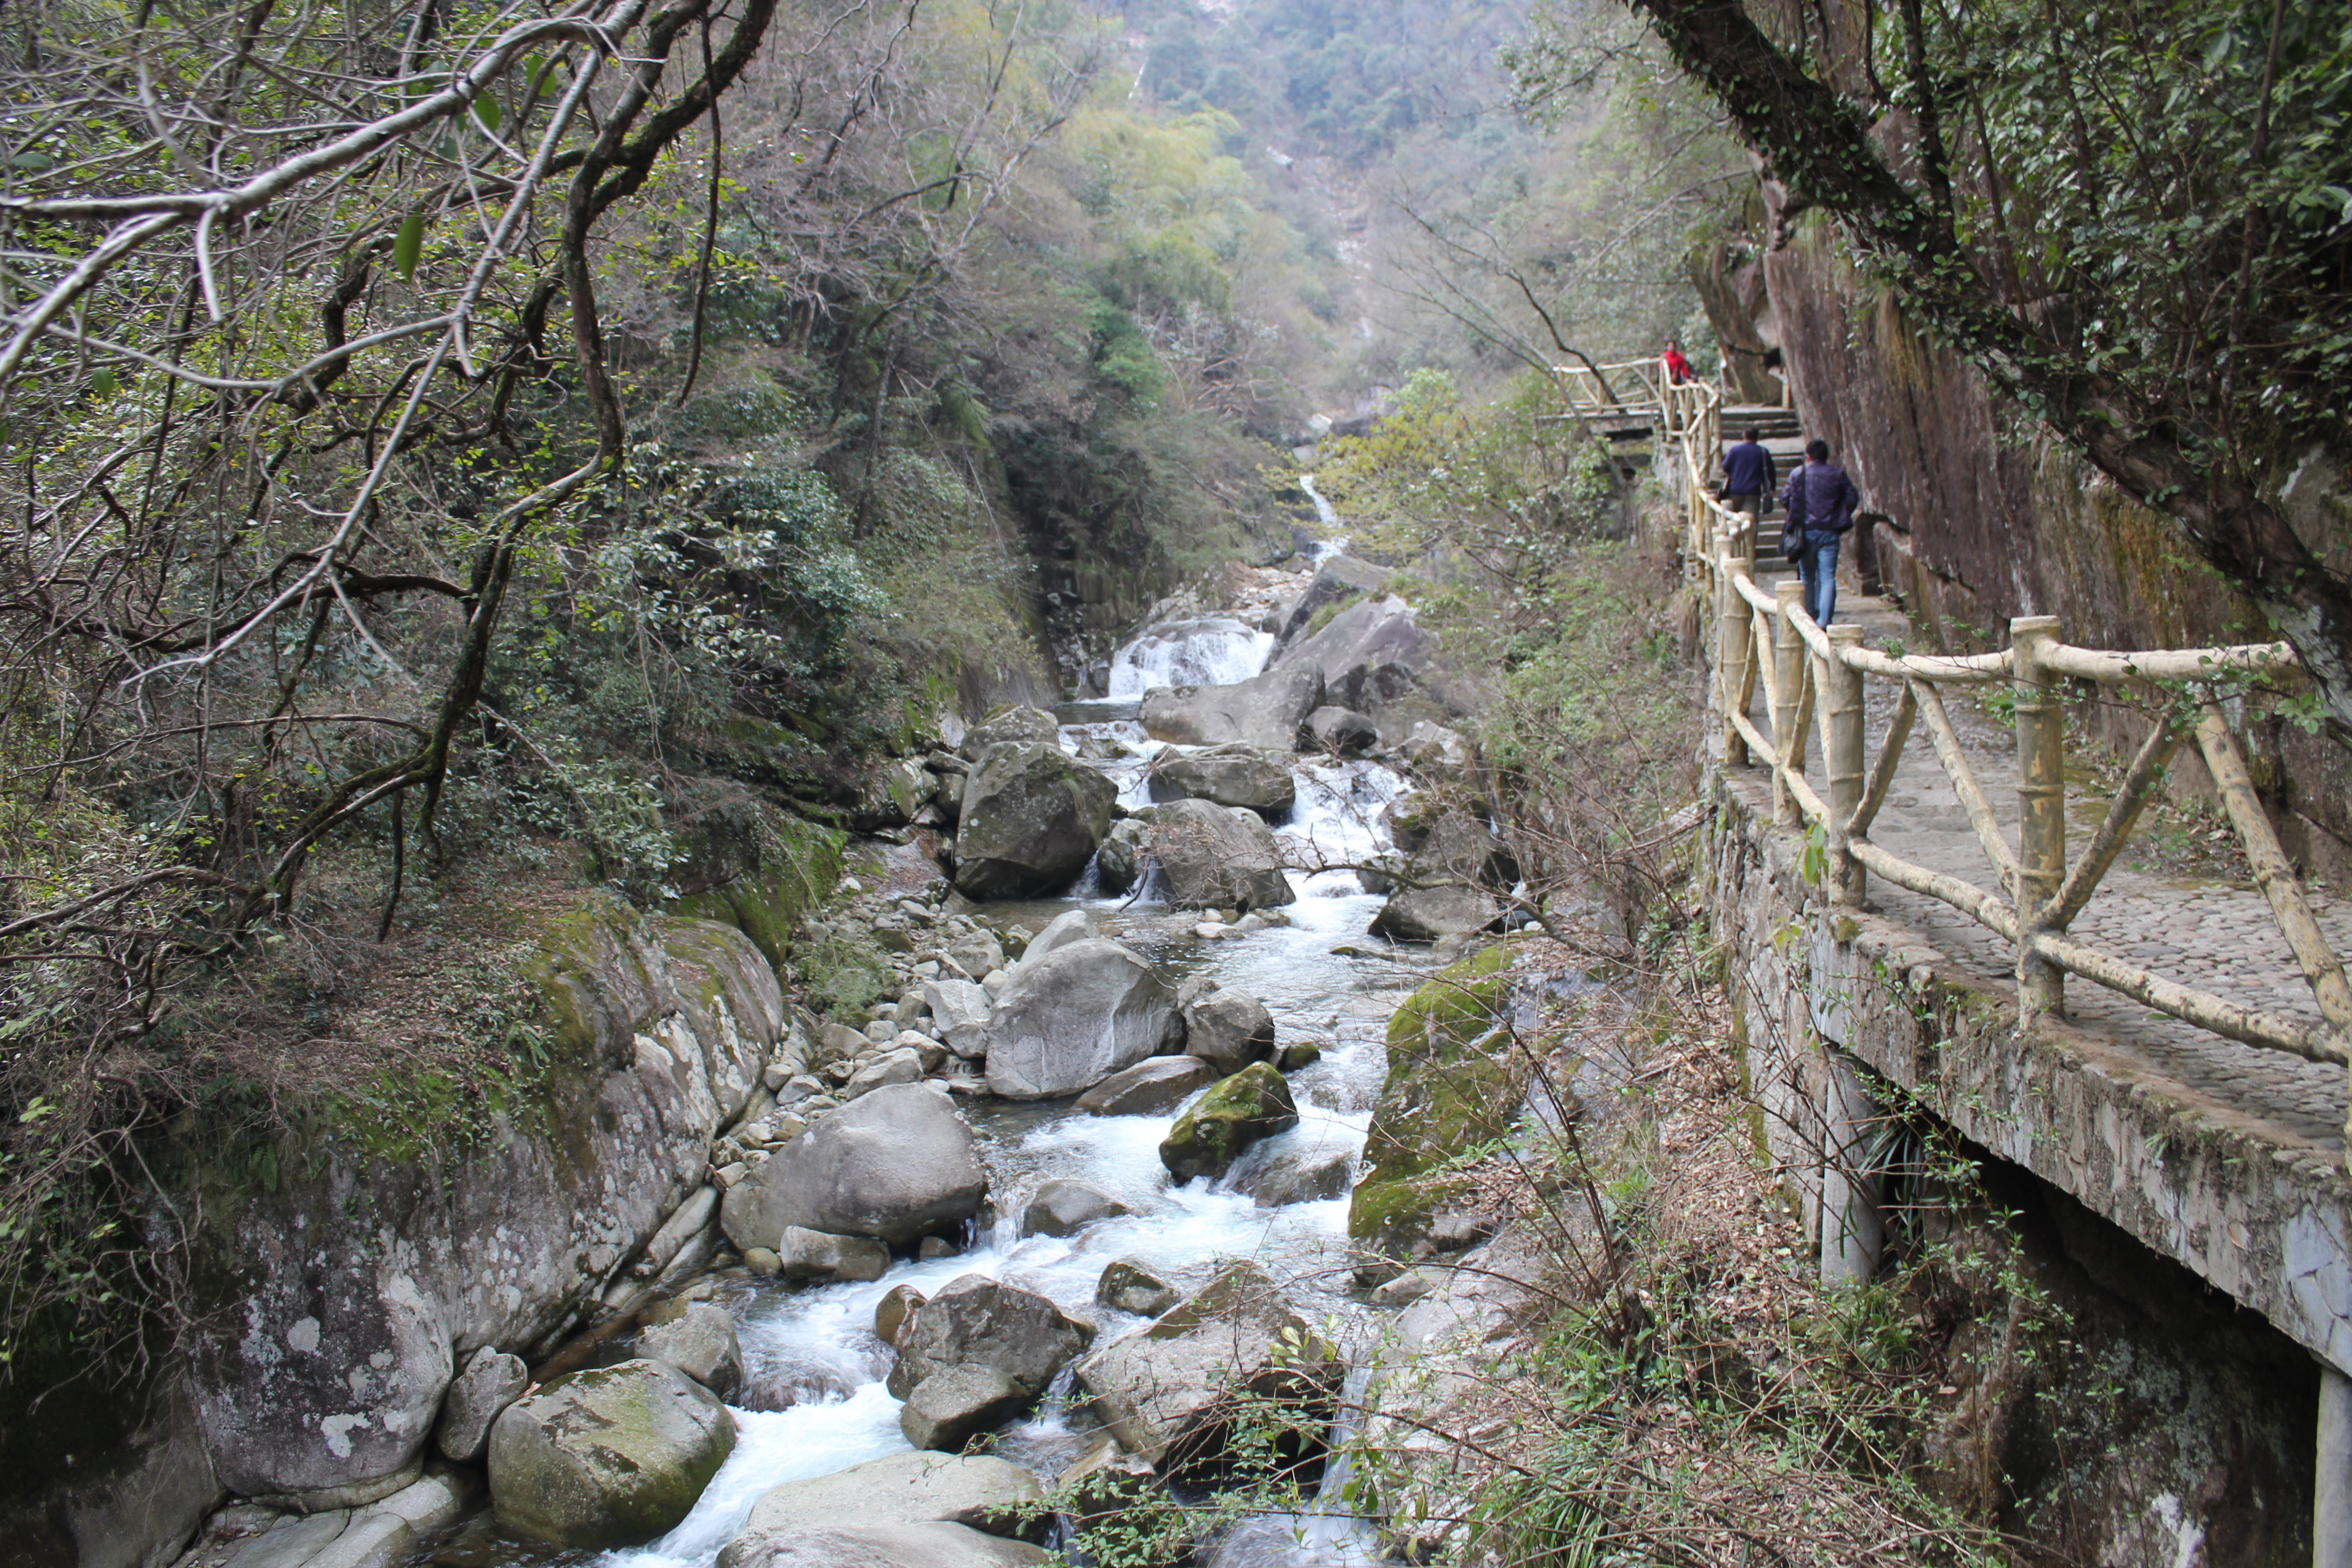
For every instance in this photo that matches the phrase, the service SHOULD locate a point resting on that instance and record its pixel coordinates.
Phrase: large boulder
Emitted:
(1371, 654)
(1425, 914)
(1253, 1103)
(1170, 1393)
(974, 1320)
(1032, 725)
(1228, 776)
(1228, 1029)
(1268, 709)
(1339, 579)
(976, 1491)
(896, 1164)
(1032, 818)
(890, 1546)
(1455, 1078)
(1069, 1020)
(1069, 926)
(698, 1339)
(1217, 856)
(1149, 1087)
(611, 1456)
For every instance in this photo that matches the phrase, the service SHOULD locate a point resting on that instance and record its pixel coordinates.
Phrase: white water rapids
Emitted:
(817, 1345)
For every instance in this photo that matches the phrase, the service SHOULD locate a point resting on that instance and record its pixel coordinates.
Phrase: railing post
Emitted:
(1787, 680)
(1841, 699)
(2041, 807)
(1732, 615)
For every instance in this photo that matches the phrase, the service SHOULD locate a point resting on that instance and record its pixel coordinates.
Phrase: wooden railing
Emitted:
(1813, 678)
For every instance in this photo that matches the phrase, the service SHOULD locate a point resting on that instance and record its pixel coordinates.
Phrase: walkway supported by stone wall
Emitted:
(2228, 1158)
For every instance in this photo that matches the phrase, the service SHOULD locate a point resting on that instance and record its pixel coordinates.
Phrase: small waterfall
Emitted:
(1215, 650)
(1329, 516)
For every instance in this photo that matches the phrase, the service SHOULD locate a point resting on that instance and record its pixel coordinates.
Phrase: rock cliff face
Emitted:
(346, 1301)
(1974, 515)
(336, 1307)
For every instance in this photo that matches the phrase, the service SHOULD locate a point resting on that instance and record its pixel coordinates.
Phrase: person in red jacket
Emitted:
(1678, 369)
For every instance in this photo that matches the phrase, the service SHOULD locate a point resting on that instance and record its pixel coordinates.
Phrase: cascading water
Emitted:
(1329, 516)
(1214, 650)
(815, 1350)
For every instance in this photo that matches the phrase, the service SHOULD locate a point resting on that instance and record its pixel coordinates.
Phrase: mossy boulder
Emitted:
(611, 1456)
(803, 867)
(1032, 818)
(1455, 1081)
(1253, 1103)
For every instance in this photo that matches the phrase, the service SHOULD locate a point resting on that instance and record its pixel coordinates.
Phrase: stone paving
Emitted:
(2214, 935)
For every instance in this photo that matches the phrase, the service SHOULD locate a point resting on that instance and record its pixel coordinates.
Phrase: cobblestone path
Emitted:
(2218, 936)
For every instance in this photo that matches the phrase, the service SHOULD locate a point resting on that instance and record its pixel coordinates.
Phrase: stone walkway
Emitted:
(2217, 936)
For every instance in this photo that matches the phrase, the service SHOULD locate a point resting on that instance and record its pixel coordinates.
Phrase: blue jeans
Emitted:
(1817, 564)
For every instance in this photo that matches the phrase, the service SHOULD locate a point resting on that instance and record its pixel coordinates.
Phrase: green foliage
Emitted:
(843, 973)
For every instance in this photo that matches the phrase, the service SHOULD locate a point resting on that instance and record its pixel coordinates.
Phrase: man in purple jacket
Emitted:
(1821, 501)
(1748, 477)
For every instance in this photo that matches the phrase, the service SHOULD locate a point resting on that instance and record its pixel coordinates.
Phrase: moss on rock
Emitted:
(1253, 1103)
(1455, 1081)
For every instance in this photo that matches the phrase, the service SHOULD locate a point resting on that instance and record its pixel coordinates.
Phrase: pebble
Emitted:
(730, 1174)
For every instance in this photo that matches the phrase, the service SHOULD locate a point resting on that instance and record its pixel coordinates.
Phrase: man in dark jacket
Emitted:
(1821, 501)
(1749, 478)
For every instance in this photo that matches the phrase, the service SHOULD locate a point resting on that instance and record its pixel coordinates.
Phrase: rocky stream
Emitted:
(1084, 1176)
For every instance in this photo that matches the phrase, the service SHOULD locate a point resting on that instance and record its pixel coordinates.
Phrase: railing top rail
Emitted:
(2111, 668)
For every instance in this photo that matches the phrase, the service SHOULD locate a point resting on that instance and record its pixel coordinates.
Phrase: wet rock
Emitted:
(1119, 861)
(894, 1311)
(1298, 1054)
(1268, 711)
(1428, 914)
(1228, 775)
(1032, 818)
(1067, 1021)
(1128, 1285)
(492, 1380)
(1015, 724)
(699, 1340)
(1253, 1103)
(891, 1546)
(1148, 1088)
(978, 1492)
(1342, 730)
(1168, 1391)
(1064, 1207)
(1299, 1176)
(611, 1456)
(1228, 1030)
(1215, 856)
(976, 1321)
(763, 1261)
(950, 1408)
(815, 1256)
(896, 1164)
